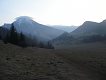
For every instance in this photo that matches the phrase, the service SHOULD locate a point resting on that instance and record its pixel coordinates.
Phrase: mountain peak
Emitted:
(24, 18)
(88, 22)
(31, 29)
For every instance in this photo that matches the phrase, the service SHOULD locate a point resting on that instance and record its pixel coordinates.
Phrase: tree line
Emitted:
(20, 39)
(14, 37)
(94, 38)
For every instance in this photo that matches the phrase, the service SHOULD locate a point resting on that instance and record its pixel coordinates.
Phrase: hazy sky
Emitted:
(54, 12)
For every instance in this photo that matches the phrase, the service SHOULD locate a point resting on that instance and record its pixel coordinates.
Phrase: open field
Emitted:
(76, 63)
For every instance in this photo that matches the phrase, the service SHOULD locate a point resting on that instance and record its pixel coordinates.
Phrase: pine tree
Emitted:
(22, 41)
(50, 46)
(6, 39)
(0, 37)
(13, 35)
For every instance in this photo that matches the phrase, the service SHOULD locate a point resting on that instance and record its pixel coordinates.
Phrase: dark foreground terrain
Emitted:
(76, 63)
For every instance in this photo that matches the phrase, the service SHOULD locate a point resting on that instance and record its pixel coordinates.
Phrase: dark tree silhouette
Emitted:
(50, 46)
(0, 37)
(13, 35)
(6, 39)
(22, 41)
(15, 38)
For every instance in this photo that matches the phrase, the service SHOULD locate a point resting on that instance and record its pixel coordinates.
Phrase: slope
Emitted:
(42, 64)
(31, 29)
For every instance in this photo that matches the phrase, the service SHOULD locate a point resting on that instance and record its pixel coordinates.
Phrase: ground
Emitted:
(76, 63)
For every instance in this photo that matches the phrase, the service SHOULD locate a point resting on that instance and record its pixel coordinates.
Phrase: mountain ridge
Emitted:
(31, 28)
(88, 32)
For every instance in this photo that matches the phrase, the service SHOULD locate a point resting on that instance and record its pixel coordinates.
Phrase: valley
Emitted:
(33, 51)
(52, 40)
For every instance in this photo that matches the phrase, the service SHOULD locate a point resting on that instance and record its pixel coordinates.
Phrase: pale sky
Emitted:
(53, 12)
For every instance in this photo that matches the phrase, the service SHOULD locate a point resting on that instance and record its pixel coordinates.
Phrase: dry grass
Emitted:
(75, 63)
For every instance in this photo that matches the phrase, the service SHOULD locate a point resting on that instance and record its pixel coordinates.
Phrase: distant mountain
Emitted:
(90, 28)
(64, 39)
(33, 29)
(65, 28)
(86, 33)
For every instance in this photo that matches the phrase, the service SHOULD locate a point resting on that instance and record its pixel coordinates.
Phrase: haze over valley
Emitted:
(52, 40)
